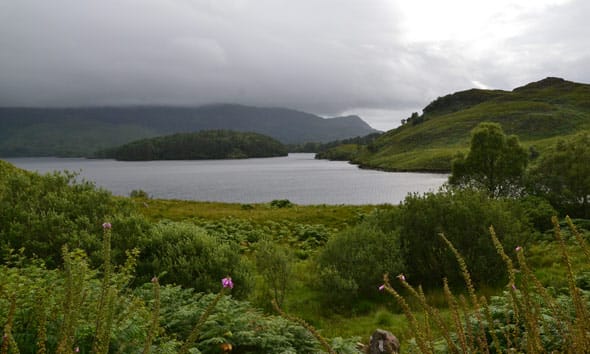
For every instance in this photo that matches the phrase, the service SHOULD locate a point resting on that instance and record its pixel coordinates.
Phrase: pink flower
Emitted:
(382, 287)
(227, 283)
(513, 287)
(401, 277)
(154, 279)
(77, 349)
(106, 225)
(518, 249)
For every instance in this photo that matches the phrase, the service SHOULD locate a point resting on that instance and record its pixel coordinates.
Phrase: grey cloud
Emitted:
(325, 56)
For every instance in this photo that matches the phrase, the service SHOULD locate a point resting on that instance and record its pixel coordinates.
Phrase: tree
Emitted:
(562, 176)
(495, 162)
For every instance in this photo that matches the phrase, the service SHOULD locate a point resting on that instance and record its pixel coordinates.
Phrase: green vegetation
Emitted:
(346, 149)
(495, 163)
(538, 113)
(83, 131)
(136, 274)
(213, 144)
(562, 175)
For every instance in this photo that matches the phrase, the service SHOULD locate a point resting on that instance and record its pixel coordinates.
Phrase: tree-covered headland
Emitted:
(210, 144)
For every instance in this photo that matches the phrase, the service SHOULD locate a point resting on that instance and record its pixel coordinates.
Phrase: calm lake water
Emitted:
(298, 177)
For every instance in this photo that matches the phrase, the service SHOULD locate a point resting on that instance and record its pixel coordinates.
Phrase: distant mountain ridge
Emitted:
(82, 131)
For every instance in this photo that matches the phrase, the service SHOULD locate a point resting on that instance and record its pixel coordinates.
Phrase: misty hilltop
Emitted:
(83, 131)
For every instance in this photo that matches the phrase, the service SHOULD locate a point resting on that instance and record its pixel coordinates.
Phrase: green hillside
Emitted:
(211, 144)
(538, 113)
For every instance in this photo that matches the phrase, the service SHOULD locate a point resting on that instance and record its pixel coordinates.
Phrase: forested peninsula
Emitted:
(203, 145)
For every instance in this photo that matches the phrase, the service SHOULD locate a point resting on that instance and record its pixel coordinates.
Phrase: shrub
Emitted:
(464, 217)
(187, 255)
(274, 264)
(527, 317)
(138, 193)
(41, 213)
(353, 261)
(281, 203)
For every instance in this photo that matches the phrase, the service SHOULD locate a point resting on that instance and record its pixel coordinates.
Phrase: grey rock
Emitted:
(383, 342)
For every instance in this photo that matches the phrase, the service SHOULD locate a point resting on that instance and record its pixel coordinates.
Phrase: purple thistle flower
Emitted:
(106, 225)
(227, 282)
(513, 287)
(382, 287)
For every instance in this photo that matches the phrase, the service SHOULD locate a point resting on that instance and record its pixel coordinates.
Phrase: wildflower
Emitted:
(77, 349)
(513, 287)
(382, 287)
(518, 249)
(401, 277)
(154, 279)
(106, 225)
(227, 282)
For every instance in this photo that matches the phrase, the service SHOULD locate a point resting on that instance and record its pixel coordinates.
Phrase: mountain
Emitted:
(82, 131)
(538, 113)
(207, 144)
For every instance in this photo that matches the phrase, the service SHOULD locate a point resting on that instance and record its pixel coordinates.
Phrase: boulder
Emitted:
(383, 342)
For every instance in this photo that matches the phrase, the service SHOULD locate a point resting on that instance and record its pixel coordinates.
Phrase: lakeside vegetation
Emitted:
(210, 144)
(496, 261)
(152, 280)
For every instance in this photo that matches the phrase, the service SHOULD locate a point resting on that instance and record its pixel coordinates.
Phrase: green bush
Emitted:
(41, 213)
(187, 255)
(561, 175)
(281, 203)
(464, 218)
(55, 311)
(139, 193)
(274, 265)
(353, 261)
(527, 317)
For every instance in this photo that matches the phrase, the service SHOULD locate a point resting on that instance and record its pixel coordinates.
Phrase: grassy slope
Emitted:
(538, 113)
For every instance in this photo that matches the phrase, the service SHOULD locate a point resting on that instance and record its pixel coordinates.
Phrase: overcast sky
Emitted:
(379, 59)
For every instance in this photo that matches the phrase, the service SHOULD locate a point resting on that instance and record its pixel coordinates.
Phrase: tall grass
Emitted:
(527, 317)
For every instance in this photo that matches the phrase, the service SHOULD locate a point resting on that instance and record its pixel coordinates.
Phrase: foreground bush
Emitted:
(353, 261)
(186, 255)
(527, 317)
(41, 213)
(464, 217)
(81, 309)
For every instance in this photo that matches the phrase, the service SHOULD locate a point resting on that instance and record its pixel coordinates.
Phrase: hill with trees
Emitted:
(211, 144)
(82, 131)
(538, 113)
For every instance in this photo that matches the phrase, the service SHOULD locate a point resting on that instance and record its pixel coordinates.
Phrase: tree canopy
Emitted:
(495, 162)
(562, 175)
(210, 144)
